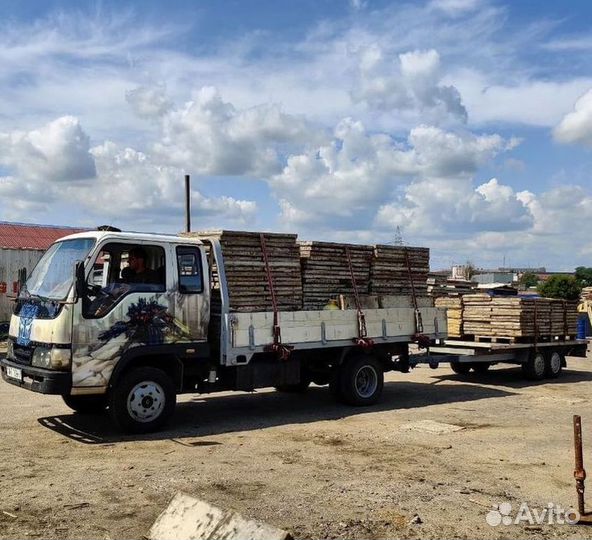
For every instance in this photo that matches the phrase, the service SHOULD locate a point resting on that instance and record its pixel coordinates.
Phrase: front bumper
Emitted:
(44, 381)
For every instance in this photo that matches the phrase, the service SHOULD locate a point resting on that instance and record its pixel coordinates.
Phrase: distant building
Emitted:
(21, 246)
(500, 278)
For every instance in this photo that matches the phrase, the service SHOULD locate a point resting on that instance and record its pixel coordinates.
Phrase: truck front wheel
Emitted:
(360, 381)
(86, 404)
(142, 400)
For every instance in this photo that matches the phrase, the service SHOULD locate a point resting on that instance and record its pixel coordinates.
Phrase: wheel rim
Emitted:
(145, 401)
(555, 363)
(366, 381)
(538, 364)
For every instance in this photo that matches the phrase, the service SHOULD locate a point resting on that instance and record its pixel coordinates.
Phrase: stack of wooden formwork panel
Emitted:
(454, 312)
(516, 317)
(393, 267)
(246, 274)
(476, 316)
(326, 274)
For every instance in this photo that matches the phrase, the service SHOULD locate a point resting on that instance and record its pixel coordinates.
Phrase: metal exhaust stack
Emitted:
(187, 203)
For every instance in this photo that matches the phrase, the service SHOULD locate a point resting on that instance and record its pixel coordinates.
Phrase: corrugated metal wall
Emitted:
(11, 260)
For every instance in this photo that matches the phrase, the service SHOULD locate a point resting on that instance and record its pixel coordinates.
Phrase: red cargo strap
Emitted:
(422, 340)
(283, 351)
(362, 340)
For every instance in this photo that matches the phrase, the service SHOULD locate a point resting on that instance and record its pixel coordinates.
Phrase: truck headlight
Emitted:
(51, 358)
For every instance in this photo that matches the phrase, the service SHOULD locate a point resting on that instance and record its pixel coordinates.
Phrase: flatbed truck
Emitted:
(103, 343)
(81, 330)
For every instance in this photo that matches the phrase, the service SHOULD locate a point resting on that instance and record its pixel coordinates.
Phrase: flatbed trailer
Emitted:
(538, 360)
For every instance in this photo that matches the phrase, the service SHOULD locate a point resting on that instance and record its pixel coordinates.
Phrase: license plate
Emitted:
(14, 373)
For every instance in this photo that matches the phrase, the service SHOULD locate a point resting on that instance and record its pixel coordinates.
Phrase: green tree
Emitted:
(565, 287)
(471, 269)
(528, 279)
(584, 276)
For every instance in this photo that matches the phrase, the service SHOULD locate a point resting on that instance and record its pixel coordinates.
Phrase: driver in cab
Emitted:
(137, 271)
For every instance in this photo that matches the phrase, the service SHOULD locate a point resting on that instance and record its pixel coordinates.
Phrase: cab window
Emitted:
(120, 269)
(189, 268)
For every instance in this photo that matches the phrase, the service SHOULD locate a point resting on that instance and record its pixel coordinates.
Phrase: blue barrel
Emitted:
(582, 325)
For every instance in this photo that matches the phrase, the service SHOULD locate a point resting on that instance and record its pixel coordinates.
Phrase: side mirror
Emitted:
(21, 279)
(80, 279)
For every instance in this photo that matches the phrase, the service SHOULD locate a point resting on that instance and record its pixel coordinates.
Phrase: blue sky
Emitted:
(467, 123)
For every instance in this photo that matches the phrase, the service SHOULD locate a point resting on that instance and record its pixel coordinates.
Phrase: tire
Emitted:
(142, 400)
(534, 367)
(361, 380)
(553, 364)
(86, 404)
(481, 367)
(460, 369)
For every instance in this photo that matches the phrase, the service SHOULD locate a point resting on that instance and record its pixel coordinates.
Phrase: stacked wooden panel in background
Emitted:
(326, 273)
(248, 286)
(454, 312)
(439, 285)
(390, 274)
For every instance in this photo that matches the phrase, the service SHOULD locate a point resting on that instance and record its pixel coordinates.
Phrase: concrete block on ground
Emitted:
(188, 518)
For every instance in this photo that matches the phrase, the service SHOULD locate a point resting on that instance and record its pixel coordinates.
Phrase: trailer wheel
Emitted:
(553, 364)
(534, 367)
(143, 400)
(360, 381)
(481, 367)
(86, 404)
(460, 369)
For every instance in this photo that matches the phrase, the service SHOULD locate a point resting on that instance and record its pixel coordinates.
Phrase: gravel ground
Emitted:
(430, 461)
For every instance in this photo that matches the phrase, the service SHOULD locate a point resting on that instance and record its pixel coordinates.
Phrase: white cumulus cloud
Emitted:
(412, 82)
(576, 126)
(210, 136)
(345, 183)
(57, 151)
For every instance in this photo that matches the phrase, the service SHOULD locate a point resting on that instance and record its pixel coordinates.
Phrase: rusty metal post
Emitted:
(187, 203)
(579, 472)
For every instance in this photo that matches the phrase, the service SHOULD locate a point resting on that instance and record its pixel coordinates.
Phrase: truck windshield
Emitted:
(53, 275)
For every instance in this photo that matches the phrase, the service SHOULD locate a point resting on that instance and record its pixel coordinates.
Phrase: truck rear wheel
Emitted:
(481, 367)
(553, 364)
(86, 404)
(360, 381)
(142, 400)
(460, 369)
(534, 368)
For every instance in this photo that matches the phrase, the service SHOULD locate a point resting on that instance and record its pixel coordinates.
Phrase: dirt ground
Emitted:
(439, 447)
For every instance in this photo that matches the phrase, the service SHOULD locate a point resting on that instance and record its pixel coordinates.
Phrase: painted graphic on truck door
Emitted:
(133, 304)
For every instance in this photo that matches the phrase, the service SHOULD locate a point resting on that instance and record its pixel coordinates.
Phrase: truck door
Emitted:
(121, 309)
(192, 304)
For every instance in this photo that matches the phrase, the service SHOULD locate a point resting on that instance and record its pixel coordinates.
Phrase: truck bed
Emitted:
(252, 332)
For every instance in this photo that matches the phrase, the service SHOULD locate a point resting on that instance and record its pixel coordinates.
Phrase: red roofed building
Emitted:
(21, 246)
(28, 236)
